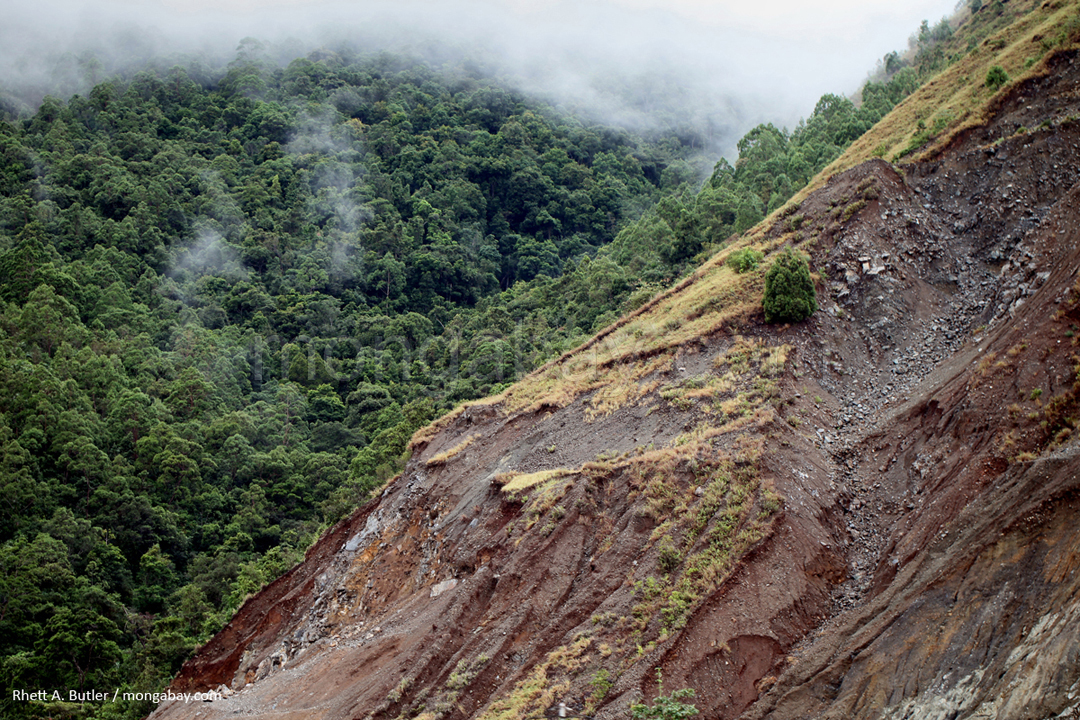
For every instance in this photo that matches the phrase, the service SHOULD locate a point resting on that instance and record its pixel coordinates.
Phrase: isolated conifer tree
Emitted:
(996, 77)
(789, 291)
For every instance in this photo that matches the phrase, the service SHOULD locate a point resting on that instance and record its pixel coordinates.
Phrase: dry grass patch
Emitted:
(516, 482)
(617, 361)
(740, 353)
(425, 434)
(447, 455)
(531, 698)
(704, 536)
(699, 434)
(713, 387)
(620, 386)
(714, 298)
(773, 360)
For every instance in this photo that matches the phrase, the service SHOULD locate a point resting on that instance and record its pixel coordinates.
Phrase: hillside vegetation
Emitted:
(1013, 36)
(231, 298)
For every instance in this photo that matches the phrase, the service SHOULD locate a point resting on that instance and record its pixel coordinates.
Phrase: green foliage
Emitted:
(669, 556)
(850, 210)
(600, 684)
(789, 289)
(996, 77)
(745, 260)
(669, 707)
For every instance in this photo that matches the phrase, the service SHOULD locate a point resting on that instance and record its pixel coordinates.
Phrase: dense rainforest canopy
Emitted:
(228, 299)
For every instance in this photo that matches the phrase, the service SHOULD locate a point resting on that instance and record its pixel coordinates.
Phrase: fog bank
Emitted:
(717, 67)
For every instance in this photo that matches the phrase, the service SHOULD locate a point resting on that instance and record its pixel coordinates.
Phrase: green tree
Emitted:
(81, 637)
(325, 405)
(156, 578)
(996, 77)
(35, 576)
(789, 289)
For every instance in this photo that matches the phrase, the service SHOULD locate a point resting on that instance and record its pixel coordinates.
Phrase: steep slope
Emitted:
(545, 576)
(867, 515)
(975, 586)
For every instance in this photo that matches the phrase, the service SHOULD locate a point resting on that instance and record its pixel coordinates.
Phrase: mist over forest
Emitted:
(636, 67)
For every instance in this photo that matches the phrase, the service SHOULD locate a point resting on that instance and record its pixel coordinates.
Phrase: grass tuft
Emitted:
(515, 482)
(444, 457)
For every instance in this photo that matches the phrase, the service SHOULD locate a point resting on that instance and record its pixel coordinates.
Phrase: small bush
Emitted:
(669, 557)
(666, 708)
(851, 209)
(745, 260)
(996, 77)
(789, 290)
(601, 684)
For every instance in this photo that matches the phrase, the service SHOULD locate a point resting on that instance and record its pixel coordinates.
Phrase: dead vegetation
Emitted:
(444, 457)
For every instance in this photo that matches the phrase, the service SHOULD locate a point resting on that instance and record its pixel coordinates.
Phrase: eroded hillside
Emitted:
(870, 514)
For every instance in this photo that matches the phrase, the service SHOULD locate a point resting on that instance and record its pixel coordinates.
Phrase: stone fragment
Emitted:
(445, 586)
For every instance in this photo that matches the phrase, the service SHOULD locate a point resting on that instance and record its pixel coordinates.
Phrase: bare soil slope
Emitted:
(869, 515)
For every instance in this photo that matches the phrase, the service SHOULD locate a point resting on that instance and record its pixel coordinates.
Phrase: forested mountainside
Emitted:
(231, 297)
(870, 514)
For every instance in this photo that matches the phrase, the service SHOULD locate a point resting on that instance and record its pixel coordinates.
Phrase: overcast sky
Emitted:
(742, 62)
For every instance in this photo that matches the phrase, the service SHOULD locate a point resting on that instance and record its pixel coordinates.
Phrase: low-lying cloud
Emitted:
(630, 62)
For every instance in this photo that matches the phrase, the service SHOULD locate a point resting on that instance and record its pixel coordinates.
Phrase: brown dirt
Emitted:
(923, 564)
